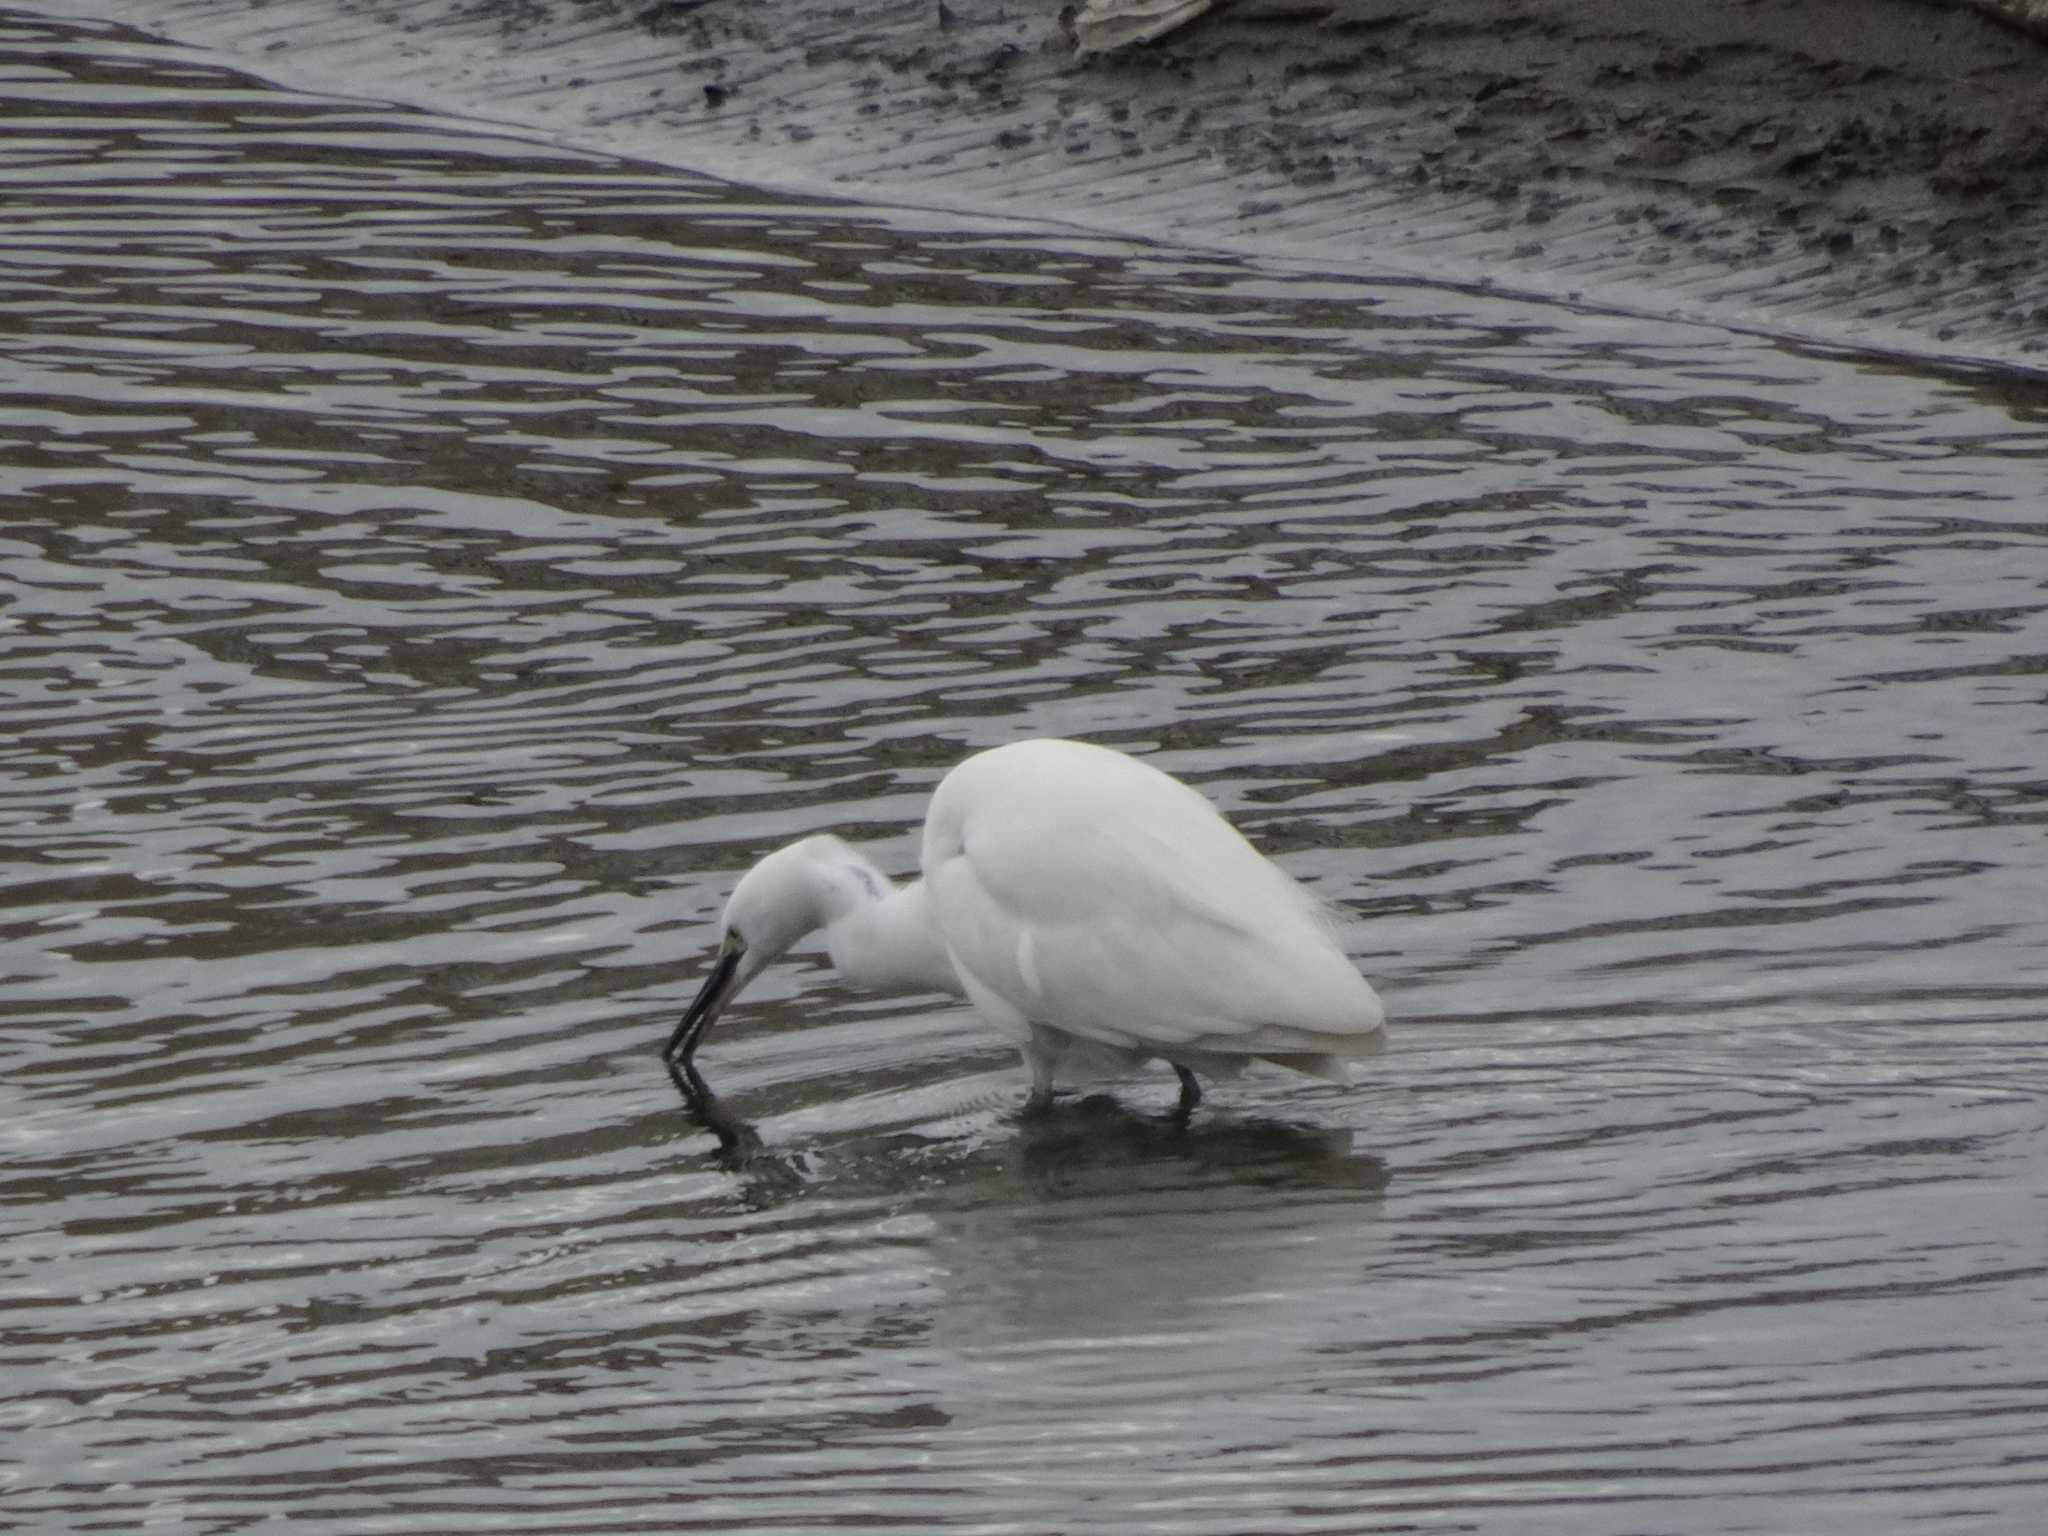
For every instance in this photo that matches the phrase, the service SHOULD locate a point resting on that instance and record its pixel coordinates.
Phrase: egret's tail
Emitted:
(1330, 1066)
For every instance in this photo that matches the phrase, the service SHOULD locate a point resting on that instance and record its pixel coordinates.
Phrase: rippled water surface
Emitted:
(435, 563)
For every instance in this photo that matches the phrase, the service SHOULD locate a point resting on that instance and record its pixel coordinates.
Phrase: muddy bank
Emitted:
(1864, 170)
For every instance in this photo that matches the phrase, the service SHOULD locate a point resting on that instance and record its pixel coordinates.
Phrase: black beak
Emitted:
(711, 997)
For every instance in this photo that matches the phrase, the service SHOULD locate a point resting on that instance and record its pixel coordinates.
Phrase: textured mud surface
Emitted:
(1867, 170)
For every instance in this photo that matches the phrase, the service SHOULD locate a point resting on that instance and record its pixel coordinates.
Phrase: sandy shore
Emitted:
(1873, 171)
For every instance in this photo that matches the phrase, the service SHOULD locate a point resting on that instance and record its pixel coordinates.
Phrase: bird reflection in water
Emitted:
(1077, 1140)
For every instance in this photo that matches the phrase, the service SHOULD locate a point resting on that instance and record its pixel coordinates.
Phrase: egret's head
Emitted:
(789, 894)
(776, 903)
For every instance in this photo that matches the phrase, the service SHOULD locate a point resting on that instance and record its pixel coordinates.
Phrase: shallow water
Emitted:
(436, 562)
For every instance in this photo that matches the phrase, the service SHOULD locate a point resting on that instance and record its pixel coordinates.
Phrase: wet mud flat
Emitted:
(1871, 171)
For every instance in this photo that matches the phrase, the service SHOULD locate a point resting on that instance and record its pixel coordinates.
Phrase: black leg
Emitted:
(1190, 1093)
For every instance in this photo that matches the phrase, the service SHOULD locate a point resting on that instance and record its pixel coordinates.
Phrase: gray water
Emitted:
(436, 562)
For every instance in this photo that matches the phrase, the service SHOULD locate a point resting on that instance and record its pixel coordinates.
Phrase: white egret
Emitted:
(1096, 911)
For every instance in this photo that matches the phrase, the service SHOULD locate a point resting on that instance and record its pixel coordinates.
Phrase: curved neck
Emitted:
(889, 943)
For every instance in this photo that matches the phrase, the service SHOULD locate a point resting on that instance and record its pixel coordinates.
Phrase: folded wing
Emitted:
(1091, 893)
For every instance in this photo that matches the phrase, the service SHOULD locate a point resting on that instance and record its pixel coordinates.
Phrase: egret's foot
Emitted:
(1190, 1095)
(1037, 1104)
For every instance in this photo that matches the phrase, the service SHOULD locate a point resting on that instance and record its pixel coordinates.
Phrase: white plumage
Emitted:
(1095, 910)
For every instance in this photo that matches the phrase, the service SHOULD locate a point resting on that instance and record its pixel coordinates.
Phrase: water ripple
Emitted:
(433, 562)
